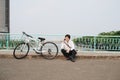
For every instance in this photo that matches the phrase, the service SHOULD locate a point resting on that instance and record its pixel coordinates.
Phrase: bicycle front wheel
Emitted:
(49, 50)
(21, 51)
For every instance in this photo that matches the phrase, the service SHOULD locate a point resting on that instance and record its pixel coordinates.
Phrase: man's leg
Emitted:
(65, 53)
(72, 55)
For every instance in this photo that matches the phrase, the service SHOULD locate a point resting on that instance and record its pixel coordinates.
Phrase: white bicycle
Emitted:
(48, 50)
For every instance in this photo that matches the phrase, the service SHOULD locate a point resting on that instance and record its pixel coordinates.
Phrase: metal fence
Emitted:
(9, 41)
(98, 43)
(83, 43)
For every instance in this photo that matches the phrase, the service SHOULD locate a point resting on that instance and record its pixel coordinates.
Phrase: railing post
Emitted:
(94, 43)
(7, 40)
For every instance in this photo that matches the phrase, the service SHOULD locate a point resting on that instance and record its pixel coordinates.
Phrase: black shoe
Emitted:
(72, 59)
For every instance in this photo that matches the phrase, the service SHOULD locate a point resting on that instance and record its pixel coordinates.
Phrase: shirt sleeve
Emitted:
(62, 45)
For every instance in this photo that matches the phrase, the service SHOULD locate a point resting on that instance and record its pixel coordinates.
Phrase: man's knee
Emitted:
(63, 51)
(73, 52)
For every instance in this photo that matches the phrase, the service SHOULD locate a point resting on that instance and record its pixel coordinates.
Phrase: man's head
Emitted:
(67, 37)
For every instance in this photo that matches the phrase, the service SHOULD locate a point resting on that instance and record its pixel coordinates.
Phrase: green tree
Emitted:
(111, 33)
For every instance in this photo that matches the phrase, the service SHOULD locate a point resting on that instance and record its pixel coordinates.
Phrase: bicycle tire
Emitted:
(18, 53)
(49, 50)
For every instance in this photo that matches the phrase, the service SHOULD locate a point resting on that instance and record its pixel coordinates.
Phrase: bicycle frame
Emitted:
(35, 44)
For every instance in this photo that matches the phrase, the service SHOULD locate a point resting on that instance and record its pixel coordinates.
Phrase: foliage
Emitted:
(111, 33)
(11, 43)
(104, 41)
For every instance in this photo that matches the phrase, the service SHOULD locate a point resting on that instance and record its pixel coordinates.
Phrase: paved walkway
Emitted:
(88, 66)
(59, 69)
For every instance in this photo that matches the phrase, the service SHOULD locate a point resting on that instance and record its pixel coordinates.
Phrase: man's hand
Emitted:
(68, 51)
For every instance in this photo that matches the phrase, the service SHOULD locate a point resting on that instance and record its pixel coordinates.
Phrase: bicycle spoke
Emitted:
(49, 50)
(21, 51)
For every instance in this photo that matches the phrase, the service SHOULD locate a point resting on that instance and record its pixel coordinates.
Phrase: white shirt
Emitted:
(70, 43)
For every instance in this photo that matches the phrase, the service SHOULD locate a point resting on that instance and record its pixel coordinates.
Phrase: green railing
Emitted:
(84, 43)
(9, 41)
(98, 43)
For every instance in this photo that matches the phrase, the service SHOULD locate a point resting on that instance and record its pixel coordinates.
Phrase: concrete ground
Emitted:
(88, 66)
(59, 69)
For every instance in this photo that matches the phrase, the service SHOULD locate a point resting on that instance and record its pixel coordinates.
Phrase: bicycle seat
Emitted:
(42, 39)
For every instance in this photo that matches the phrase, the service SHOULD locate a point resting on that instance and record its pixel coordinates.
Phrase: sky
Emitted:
(75, 17)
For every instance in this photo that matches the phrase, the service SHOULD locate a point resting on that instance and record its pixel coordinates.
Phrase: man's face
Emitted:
(67, 39)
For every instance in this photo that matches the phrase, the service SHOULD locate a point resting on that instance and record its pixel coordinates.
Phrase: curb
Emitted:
(62, 57)
(80, 55)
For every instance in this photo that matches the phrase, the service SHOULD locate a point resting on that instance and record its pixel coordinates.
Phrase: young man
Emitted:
(68, 48)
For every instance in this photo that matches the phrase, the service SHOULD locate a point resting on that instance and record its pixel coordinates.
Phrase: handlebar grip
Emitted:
(27, 35)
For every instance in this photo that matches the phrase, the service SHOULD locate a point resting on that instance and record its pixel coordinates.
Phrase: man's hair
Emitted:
(67, 35)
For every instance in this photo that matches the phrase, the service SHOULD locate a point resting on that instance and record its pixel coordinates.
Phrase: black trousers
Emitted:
(72, 53)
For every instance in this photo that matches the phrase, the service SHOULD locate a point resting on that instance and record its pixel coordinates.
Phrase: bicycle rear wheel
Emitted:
(21, 51)
(49, 50)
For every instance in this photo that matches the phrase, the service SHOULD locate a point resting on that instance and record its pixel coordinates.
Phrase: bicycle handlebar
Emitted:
(27, 35)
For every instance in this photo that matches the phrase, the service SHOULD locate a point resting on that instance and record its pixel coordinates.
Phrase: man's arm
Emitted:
(62, 45)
